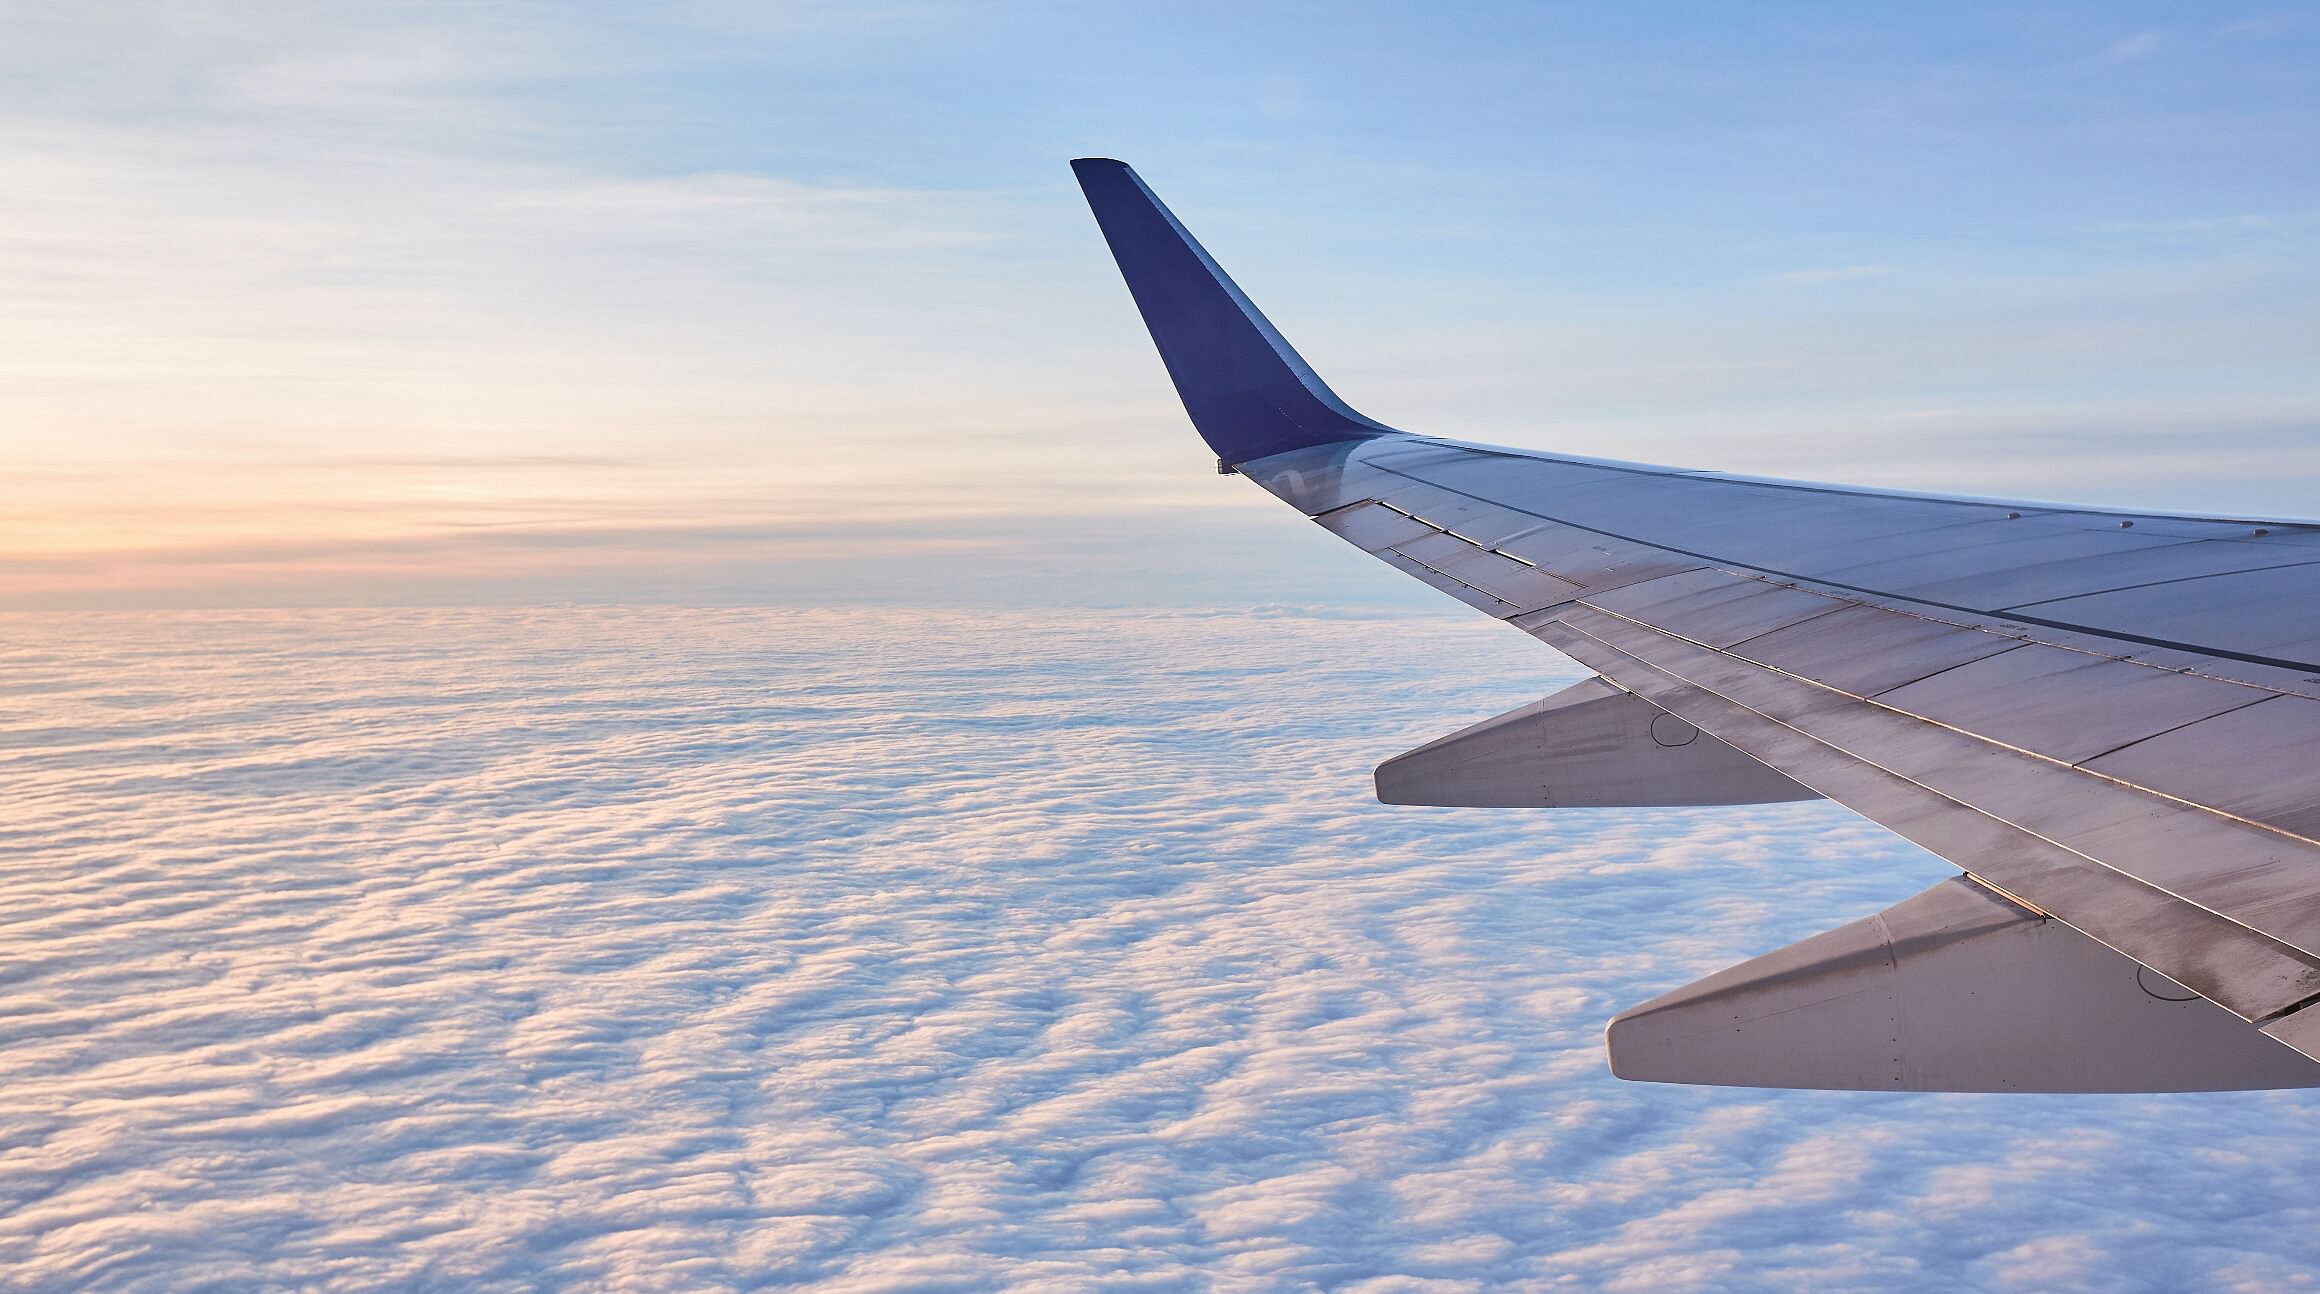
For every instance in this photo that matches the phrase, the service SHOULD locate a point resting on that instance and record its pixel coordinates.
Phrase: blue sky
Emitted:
(516, 303)
(1005, 902)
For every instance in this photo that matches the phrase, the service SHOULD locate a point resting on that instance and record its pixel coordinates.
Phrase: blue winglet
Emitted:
(1249, 394)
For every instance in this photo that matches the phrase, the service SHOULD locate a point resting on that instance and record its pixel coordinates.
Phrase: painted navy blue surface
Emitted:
(1248, 392)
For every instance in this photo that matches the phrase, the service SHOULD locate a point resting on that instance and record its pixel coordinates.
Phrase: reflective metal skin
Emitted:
(2111, 717)
(1589, 746)
(1955, 990)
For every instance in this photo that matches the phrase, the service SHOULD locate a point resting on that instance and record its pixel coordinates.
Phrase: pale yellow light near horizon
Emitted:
(214, 365)
(314, 332)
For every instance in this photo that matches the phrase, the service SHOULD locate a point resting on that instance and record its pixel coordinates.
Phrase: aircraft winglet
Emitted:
(1249, 394)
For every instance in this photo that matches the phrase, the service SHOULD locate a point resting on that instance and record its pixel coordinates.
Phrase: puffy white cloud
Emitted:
(887, 949)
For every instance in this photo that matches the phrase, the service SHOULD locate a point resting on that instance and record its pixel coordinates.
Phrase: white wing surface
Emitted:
(2109, 720)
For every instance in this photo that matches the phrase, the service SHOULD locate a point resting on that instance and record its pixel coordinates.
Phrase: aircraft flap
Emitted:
(1587, 746)
(1955, 990)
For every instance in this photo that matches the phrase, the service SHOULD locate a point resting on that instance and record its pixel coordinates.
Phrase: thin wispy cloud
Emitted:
(931, 844)
(2138, 45)
(1836, 273)
(826, 257)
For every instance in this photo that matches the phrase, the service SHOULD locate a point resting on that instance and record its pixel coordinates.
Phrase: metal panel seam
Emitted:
(2119, 635)
(2153, 584)
(1964, 732)
(2009, 823)
(2240, 929)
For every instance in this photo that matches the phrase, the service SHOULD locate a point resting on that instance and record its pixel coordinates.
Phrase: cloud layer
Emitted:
(878, 950)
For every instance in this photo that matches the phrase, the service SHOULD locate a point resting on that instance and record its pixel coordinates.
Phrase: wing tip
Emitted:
(1247, 390)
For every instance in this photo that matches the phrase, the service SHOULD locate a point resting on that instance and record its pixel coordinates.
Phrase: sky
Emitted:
(618, 669)
(797, 304)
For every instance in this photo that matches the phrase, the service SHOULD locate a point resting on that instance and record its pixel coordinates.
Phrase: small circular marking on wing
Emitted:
(2161, 987)
(1668, 730)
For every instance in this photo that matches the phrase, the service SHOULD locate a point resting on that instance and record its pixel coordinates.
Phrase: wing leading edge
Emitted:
(2106, 719)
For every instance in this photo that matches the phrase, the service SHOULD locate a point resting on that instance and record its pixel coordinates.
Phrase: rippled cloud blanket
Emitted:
(903, 950)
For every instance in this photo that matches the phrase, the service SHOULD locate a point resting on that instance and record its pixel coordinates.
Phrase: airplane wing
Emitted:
(2109, 720)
